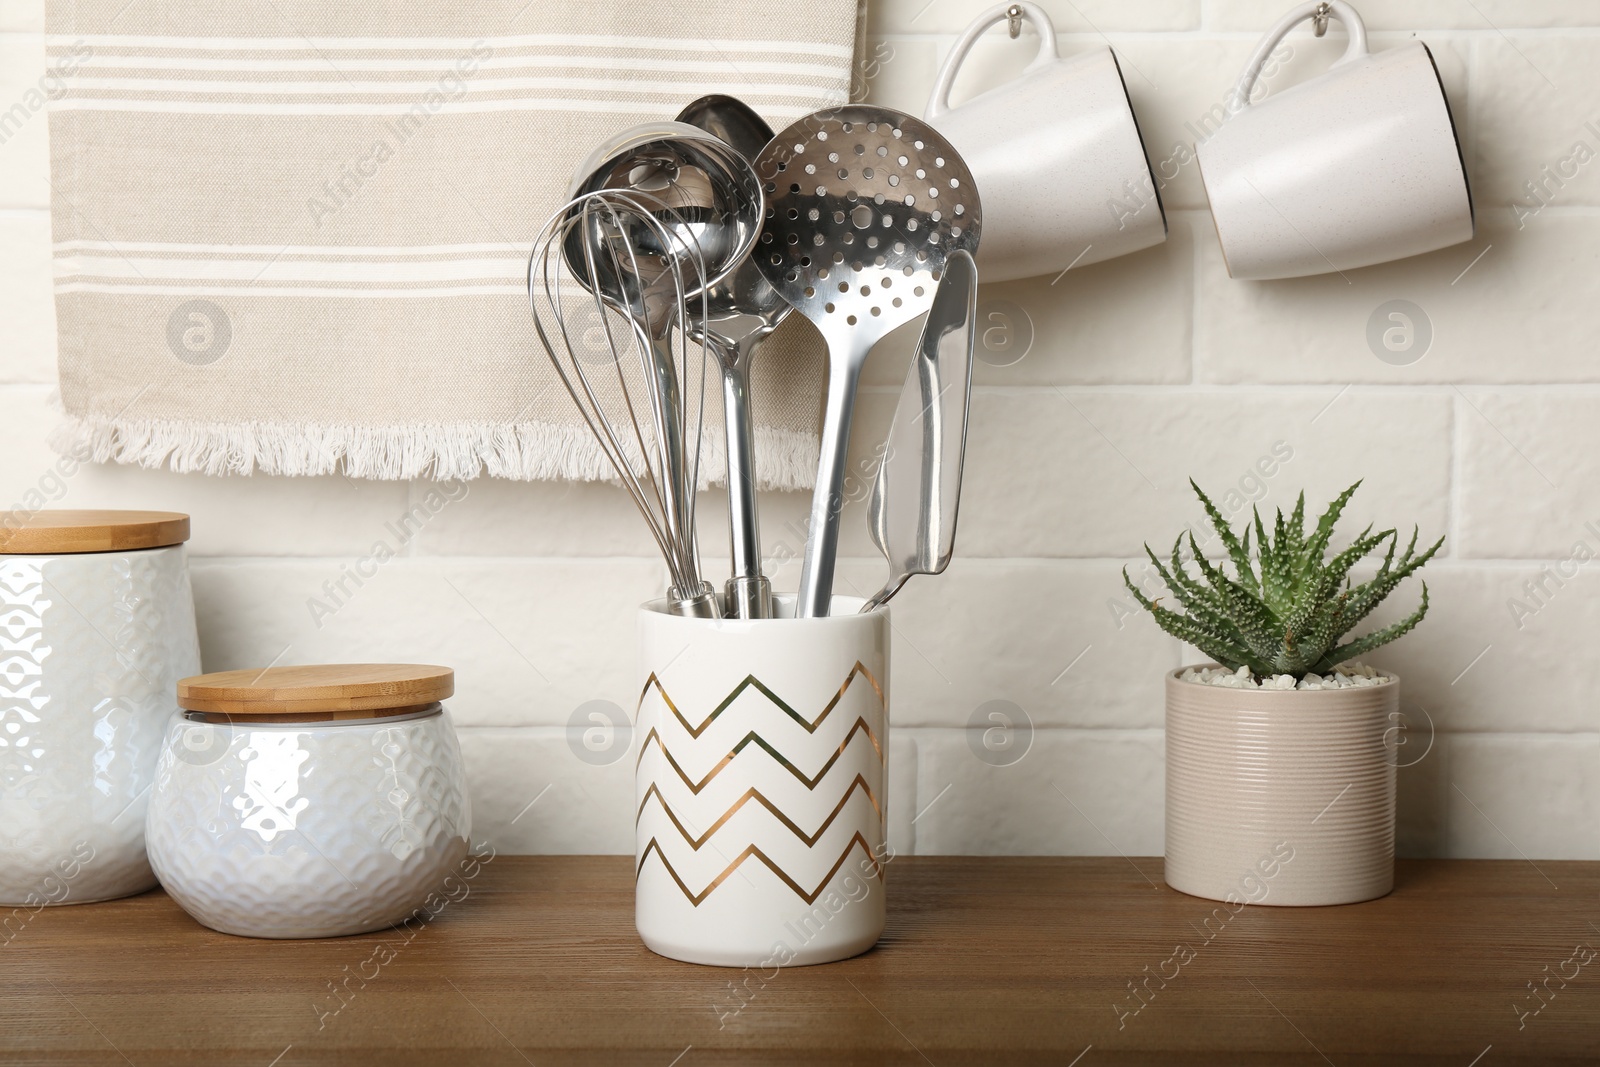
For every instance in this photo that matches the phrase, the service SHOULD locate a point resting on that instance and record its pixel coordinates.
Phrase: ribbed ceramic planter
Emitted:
(1280, 796)
(759, 787)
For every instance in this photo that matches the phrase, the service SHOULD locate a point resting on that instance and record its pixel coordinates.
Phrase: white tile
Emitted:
(501, 518)
(261, 515)
(1078, 792)
(1492, 657)
(530, 641)
(1527, 797)
(1124, 321)
(1419, 14)
(896, 72)
(27, 302)
(903, 805)
(1061, 639)
(504, 518)
(577, 807)
(1534, 108)
(1068, 16)
(533, 793)
(1422, 794)
(22, 16)
(24, 137)
(1510, 306)
(1098, 473)
(31, 476)
(1520, 447)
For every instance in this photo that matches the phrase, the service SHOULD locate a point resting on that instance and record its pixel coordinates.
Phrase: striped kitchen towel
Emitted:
(291, 235)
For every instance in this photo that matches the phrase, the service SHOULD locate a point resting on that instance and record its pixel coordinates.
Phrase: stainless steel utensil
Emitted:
(911, 513)
(731, 121)
(739, 314)
(660, 213)
(864, 205)
(609, 393)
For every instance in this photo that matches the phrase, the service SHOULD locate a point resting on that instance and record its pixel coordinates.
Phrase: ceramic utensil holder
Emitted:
(1281, 796)
(760, 785)
(96, 627)
(310, 801)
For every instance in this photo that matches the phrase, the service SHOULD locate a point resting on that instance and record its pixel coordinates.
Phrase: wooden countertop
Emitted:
(985, 960)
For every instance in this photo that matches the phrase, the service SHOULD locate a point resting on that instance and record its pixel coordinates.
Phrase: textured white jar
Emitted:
(291, 830)
(1281, 796)
(760, 785)
(91, 647)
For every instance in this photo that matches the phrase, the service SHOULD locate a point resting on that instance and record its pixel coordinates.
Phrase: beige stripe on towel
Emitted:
(291, 236)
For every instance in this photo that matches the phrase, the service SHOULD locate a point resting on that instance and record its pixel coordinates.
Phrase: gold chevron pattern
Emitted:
(753, 738)
(755, 795)
(858, 674)
(752, 682)
(754, 850)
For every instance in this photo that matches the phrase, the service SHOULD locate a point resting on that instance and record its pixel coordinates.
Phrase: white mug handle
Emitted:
(1331, 9)
(939, 102)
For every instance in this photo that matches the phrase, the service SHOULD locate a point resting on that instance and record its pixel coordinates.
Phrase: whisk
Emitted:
(614, 270)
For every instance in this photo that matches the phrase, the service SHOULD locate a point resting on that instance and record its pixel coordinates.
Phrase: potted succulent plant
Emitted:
(1280, 778)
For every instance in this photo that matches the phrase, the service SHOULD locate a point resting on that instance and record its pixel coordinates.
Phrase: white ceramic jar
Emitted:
(760, 785)
(310, 801)
(96, 627)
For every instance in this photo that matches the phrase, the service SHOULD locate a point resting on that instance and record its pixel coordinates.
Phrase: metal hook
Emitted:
(1014, 20)
(1319, 18)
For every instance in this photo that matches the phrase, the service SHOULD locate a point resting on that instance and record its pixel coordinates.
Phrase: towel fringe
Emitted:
(785, 459)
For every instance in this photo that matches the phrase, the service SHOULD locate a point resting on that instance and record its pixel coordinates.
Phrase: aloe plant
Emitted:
(1286, 605)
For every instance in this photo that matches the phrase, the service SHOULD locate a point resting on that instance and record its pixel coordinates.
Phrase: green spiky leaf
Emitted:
(1287, 604)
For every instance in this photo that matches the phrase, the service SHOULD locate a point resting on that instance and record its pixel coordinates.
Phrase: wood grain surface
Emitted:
(370, 688)
(985, 961)
(65, 531)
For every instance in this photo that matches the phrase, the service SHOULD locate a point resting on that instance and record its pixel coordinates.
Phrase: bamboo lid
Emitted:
(68, 531)
(323, 691)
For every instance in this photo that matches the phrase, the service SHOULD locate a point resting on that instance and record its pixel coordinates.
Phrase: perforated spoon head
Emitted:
(864, 205)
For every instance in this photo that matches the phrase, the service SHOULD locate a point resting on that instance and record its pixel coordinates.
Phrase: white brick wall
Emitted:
(1142, 372)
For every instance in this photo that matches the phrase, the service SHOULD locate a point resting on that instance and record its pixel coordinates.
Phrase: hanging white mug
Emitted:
(1358, 166)
(1055, 153)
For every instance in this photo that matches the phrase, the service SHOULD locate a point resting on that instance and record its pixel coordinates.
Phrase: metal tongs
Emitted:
(911, 513)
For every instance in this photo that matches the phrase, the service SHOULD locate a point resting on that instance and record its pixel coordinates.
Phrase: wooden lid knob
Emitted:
(67, 531)
(327, 690)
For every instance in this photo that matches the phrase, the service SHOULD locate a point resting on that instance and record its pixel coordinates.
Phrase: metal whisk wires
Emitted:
(609, 279)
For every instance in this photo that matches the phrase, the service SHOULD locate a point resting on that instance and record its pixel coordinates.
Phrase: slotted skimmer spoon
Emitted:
(911, 513)
(864, 205)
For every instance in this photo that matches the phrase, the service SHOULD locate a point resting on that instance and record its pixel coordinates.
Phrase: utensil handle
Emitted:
(1337, 9)
(676, 494)
(743, 528)
(939, 102)
(827, 499)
